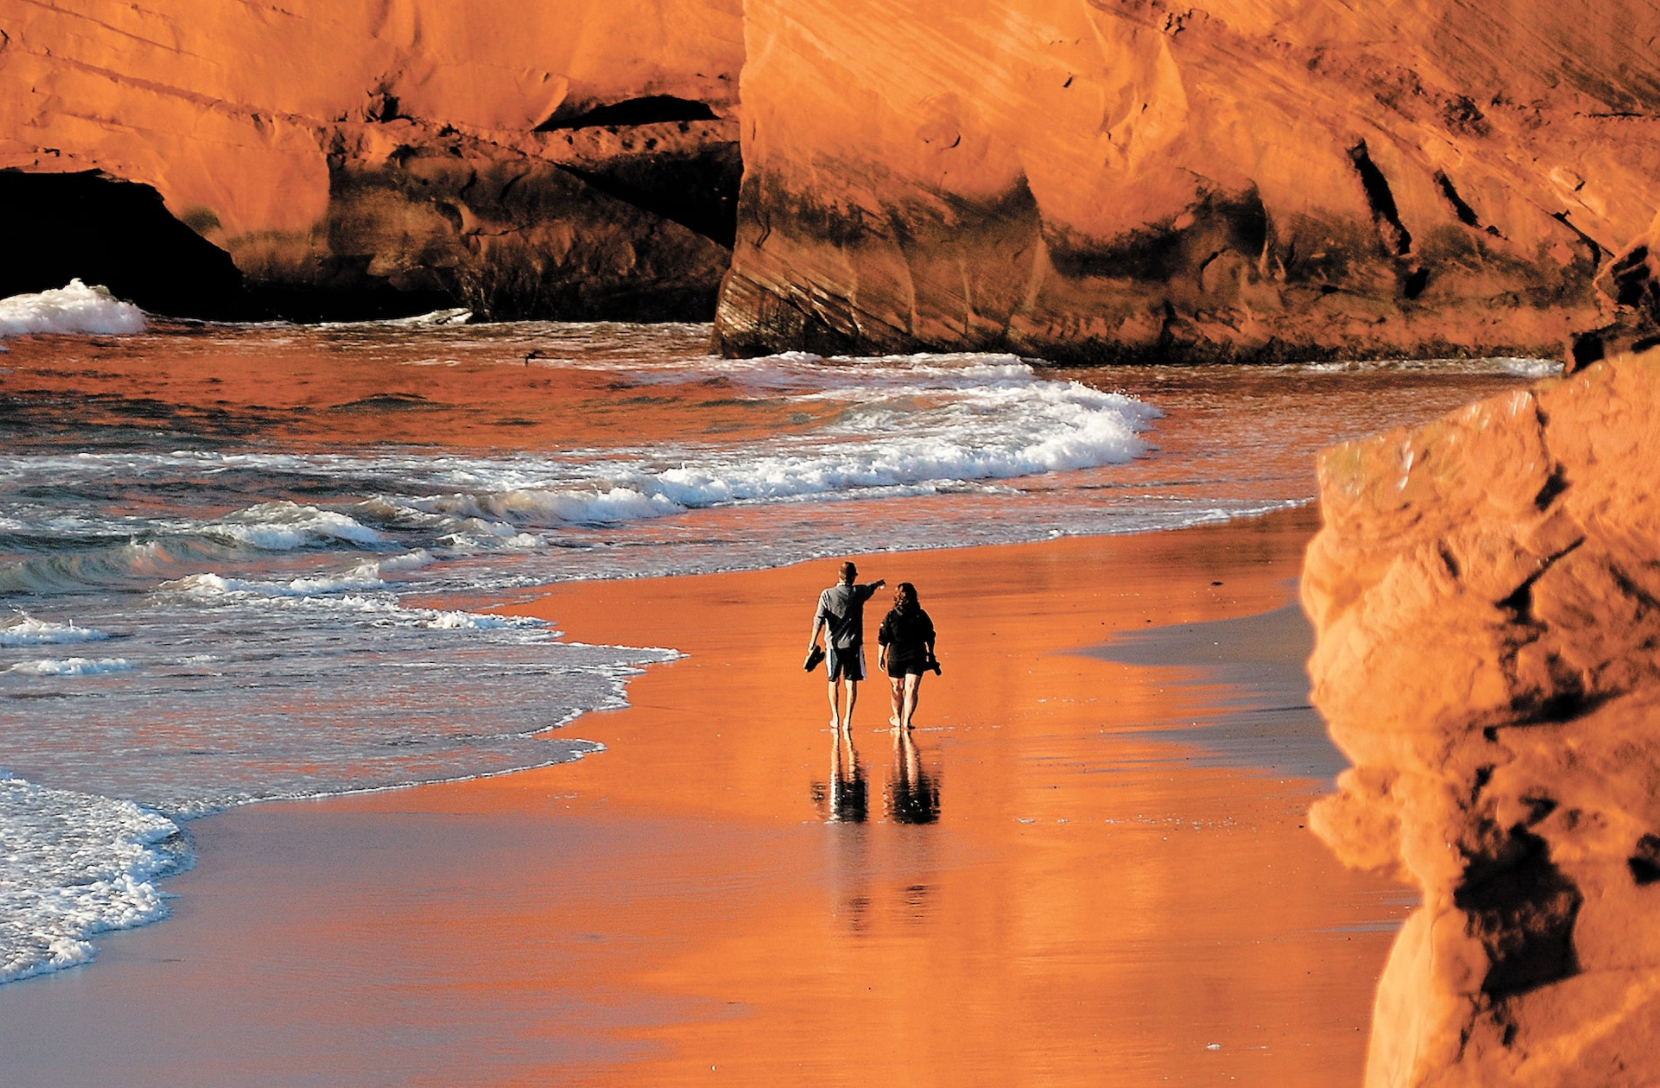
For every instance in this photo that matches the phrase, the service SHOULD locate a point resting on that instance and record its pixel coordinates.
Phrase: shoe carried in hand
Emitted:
(814, 656)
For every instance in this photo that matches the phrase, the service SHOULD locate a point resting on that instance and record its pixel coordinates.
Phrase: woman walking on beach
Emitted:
(906, 650)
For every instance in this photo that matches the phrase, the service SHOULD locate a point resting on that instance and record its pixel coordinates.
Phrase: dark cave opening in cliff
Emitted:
(696, 188)
(114, 233)
(652, 109)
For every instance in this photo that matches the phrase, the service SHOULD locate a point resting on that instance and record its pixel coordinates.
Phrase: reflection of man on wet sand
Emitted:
(845, 798)
(841, 615)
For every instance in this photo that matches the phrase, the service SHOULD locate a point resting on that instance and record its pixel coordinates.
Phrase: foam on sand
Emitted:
(76, 865)
(74, 309)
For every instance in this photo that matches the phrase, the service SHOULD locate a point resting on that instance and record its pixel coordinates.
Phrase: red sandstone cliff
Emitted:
(1246, 179)
(1486, 595)
(1083, 179)
(452, 147)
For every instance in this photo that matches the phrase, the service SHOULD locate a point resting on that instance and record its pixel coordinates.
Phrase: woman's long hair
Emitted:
(904, 599)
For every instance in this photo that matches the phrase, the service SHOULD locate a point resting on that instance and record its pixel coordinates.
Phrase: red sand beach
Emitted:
(1042, 892)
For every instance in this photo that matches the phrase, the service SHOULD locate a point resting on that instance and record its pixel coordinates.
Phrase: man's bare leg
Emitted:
(835, 714)
(852, 697)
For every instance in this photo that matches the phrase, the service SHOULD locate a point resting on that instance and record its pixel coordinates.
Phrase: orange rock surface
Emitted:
(1486, 591)
(342, 145)
(1248, 179)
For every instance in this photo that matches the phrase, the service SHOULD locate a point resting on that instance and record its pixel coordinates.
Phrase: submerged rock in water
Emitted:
(1486, 593)
(1140, 181)
(570, 159)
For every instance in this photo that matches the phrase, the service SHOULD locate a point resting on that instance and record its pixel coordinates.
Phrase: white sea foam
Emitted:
(284, 526)
(1531, 368)
(364, 577)
(76, 308)
(72, 666)
(896, 426)
(431, 320)
(341, 597)
(908, 430)
(28, 631)
(1498, 364)
(76, 865)
(454, 619)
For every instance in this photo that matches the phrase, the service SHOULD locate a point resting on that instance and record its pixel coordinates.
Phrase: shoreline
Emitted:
(681, 895)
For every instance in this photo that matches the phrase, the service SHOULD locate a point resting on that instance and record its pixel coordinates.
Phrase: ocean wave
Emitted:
(900, 425)
(984, 431)
(344, 596)
(285, 526)
(72, 666)
(454, 619)
(28, 631)
(76, 308)
(802, 373)
(435, 319)
(360, 579)
(76, 865)
(133, 564)
(1500, 364)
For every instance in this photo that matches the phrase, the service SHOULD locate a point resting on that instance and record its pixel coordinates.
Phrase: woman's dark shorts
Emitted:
(900, 664)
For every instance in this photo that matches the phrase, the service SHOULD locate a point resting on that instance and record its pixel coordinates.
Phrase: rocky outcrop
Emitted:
(1486, 595)
(1629, 290)
(567, 159)
(1103, 180)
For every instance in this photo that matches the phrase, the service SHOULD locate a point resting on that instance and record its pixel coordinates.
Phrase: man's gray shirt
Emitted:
(842, 609)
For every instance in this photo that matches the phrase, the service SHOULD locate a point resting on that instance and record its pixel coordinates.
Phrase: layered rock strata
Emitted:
(1102, 180)
(568, 159)
(1486, 595)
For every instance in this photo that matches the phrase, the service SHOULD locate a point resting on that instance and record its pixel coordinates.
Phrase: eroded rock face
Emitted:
(1486, 595)
(576, 158)
(1101, 180)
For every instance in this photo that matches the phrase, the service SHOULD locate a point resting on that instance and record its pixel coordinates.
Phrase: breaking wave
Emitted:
(76, 308)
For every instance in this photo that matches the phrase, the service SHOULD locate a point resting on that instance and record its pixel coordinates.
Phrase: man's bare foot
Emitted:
(894, 721)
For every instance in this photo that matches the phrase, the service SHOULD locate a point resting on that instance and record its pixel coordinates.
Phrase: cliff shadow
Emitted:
(116, 233)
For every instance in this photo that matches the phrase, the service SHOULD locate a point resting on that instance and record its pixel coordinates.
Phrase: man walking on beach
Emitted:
(841, 615)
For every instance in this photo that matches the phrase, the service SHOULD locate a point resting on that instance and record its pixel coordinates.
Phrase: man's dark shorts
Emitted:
(845, 664)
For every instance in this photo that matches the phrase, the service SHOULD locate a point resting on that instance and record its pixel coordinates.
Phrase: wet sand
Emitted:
(1055, 881)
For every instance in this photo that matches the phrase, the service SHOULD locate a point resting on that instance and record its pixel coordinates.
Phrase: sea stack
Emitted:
(1486, 593)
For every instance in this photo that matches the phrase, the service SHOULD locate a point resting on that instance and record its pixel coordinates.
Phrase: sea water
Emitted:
(246, 562)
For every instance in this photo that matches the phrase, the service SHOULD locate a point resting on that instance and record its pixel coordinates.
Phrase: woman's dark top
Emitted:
(906, 635)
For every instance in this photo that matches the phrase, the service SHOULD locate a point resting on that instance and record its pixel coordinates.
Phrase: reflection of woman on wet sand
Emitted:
(906, 644)
(913, 795)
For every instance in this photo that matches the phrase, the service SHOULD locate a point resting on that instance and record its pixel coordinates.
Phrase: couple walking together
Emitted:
(905, 645)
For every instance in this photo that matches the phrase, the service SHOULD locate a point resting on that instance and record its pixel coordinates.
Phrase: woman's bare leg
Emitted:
(913, 686)
(896, 694)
